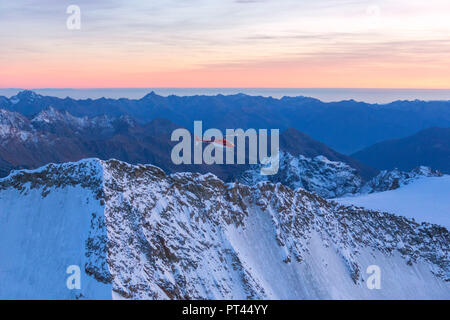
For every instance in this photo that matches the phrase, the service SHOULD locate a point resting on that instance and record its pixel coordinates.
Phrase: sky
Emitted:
(226, 44)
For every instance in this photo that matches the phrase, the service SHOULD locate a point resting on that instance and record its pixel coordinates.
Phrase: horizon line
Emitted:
(251, 88)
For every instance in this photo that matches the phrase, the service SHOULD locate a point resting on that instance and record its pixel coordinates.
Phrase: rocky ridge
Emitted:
(192, 236)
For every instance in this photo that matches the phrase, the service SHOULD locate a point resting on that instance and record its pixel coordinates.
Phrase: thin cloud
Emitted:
(199, 34)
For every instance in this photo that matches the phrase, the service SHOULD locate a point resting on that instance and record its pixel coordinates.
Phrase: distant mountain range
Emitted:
(430, 147)
(129, 130)
(57, 136)
(346, 126)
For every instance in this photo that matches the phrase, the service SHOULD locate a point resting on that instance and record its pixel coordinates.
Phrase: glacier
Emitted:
(426, 199)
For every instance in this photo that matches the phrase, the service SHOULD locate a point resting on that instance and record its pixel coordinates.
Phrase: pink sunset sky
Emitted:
(226, 43)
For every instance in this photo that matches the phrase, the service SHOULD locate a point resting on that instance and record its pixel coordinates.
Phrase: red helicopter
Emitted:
(221, 143)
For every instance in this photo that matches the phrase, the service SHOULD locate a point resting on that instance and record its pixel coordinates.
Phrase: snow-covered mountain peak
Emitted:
(25, 95)
(11, 118)
(128, 120)
(87, 172)
(425, 172)
(52, 115)
(13, 125)
(327, 178)
(48, 115)
(139, 233)
(394, 179)
(332, 179)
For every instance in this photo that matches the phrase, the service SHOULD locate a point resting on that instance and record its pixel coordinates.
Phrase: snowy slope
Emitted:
(138, 233)
(424, 199)
(45, 229)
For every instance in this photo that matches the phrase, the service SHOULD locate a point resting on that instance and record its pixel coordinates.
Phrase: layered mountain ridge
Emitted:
(138, 233)
(58, 136)
(331, 179)
(345, 126)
